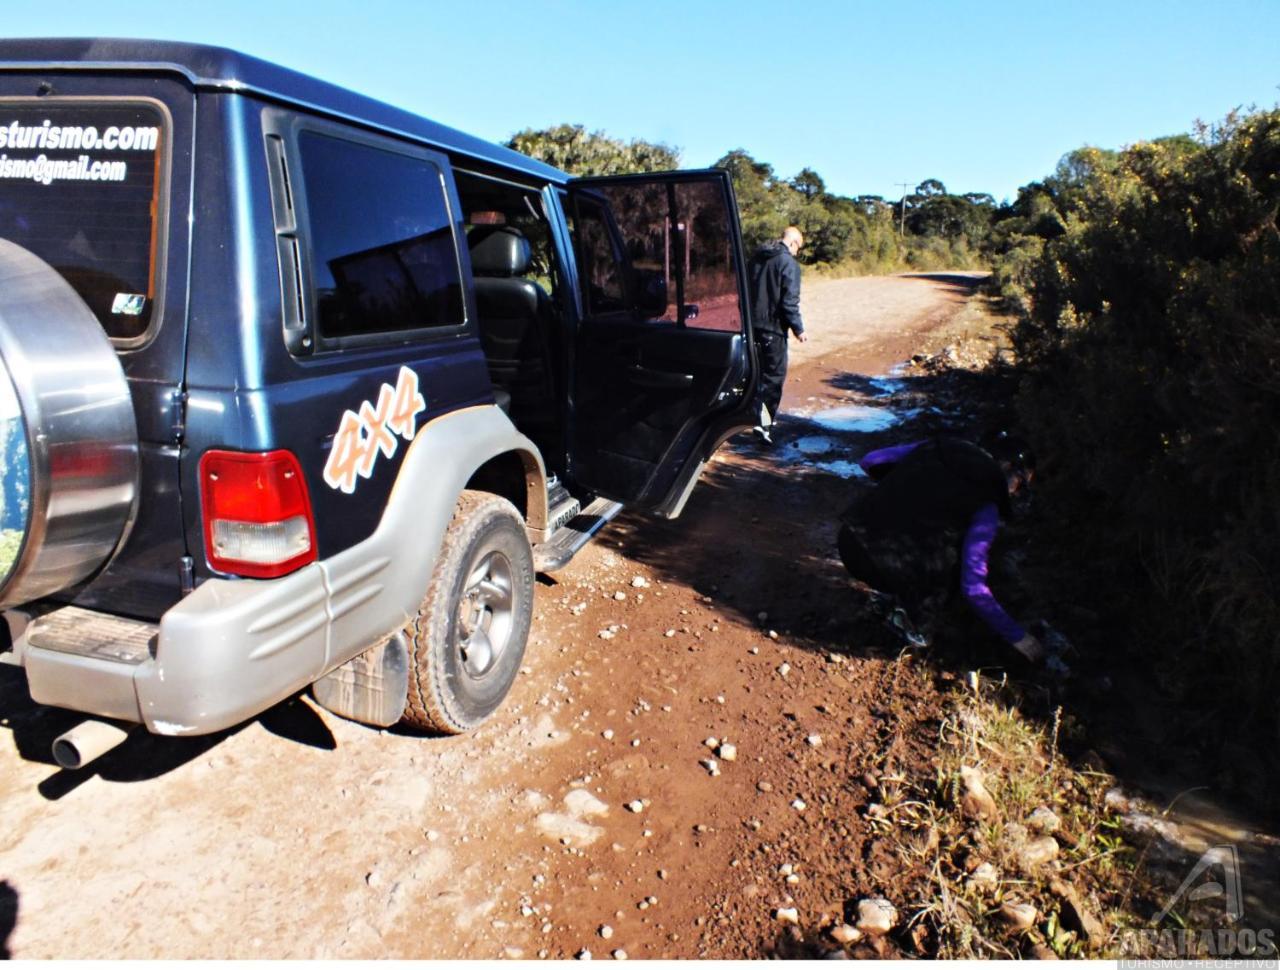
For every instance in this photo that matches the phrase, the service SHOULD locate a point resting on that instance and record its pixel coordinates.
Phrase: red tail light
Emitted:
(257, 513)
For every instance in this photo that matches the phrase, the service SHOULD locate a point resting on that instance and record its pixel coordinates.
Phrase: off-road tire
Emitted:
(445, 695)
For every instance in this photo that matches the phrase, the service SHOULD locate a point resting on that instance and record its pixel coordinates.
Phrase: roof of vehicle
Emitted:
(217, 68)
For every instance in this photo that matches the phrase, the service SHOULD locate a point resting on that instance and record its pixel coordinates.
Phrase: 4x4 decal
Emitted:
(361, 436)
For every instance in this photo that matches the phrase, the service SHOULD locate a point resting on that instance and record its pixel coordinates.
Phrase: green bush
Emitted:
(1148, 286)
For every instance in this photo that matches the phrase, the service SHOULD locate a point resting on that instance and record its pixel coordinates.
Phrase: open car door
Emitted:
(664, 367)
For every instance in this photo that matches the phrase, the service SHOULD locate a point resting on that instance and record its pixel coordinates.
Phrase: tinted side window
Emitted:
(381, 241)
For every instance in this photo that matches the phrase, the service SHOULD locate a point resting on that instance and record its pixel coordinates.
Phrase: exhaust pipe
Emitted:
(92, 739)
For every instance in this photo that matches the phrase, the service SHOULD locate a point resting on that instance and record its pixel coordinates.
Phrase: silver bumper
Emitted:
(224, 654)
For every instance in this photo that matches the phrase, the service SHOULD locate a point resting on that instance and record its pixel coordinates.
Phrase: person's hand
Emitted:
(1031, 649)
(802, 337)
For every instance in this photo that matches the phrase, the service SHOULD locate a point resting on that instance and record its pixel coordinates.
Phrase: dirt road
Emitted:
(302, 835)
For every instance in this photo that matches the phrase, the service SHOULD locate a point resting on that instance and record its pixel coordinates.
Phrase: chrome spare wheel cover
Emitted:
(68, 438)
(486, 614)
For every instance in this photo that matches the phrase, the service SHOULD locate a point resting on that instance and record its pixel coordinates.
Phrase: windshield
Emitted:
(79, 187)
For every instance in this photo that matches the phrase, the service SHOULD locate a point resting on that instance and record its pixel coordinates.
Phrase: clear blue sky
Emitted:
(984, 96)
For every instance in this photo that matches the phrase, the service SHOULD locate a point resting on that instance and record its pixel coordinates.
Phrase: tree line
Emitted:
(929, 228)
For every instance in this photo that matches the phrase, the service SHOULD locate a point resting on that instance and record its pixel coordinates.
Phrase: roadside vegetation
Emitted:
(1146, 284)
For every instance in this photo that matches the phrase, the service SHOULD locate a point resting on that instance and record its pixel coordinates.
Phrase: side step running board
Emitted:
(556, 553)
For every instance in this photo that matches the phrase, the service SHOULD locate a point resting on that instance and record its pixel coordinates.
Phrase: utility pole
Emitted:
(902, 204)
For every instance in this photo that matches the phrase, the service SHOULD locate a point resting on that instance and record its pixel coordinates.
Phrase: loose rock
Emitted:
(1044, 821)
(789, 915)
(636, 806)
(619, 954)
(639, 582)
(711, 742)
(1038, 852)
(976, 802)
(1019, 917)
(727, 752)
(845, 935)
(605, 931)
(983, 878)
(876, 917)
(814, 740)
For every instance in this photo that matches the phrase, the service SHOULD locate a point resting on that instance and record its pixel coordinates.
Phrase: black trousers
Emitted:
(919, 572)
(771, 351)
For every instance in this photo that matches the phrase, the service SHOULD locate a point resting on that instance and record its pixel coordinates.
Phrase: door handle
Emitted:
(648, 377)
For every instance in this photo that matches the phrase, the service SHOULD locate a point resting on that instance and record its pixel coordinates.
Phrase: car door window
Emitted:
(663, 251)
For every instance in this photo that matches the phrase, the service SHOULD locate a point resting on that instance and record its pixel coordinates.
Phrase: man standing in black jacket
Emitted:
(774, 290)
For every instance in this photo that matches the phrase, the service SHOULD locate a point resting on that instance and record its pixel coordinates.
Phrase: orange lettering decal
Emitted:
(374, 430)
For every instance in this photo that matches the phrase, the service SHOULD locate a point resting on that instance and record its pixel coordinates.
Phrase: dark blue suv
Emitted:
(302, 389)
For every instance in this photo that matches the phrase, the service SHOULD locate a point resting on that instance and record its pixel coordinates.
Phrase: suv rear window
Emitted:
(79, 187)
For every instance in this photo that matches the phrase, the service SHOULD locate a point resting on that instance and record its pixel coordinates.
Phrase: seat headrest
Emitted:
(498, 251)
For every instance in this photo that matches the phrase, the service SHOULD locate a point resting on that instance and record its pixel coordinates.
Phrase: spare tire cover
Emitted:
(68, 438)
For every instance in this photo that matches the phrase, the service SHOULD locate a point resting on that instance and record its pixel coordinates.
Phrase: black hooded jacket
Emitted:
(773, 286)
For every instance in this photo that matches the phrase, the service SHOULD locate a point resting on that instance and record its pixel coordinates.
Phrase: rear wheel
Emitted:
(469, 636)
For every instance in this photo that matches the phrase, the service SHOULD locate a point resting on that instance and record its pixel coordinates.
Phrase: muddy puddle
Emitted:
(830, 446)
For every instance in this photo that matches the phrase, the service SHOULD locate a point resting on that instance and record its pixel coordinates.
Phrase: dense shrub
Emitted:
(1148, 285)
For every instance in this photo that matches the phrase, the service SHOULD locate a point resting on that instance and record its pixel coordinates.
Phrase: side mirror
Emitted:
(650, 293)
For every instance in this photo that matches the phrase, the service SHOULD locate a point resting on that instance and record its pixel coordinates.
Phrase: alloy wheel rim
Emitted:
(486, 614)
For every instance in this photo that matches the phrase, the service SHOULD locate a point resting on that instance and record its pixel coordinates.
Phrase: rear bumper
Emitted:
(224, 654)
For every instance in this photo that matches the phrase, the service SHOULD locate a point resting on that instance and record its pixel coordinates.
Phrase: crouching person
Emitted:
(933, 516)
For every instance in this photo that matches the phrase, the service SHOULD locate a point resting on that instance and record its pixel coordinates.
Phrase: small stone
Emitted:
(373, 878)
(1044, 821)
(669, 634)
(713, 769)
(784, 669)
(793, 879)
(526, 910)
(845, 935)
(512, 953)
(1038, 852)
(799, 805)
(619, 954)
(727, 752)
(619, 596)
(662, 873)
(976, 802)
(582, 955)
(603, 635)
(773, 634)
(607, 734)
(432, 835)
(754, 650)
(651, 900)
(711, 742)
(983, 878)
(1019, 917)
(814, 740)
(639, 582)
(786, 869)
(787, 915)
(876, 917)
(636, 806)
(764, 786)
(605, 931)
(635, 742)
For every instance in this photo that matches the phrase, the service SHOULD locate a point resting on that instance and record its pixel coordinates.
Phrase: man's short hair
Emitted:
(792, 234)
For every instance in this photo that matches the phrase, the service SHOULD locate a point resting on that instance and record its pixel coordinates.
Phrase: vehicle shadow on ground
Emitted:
(758, 535)
(142, 756)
